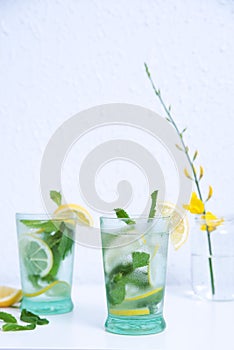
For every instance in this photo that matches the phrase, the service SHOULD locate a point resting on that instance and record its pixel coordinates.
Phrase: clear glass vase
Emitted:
(212, 259)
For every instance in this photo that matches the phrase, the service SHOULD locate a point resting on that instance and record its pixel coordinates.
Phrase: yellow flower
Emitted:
(211, 221)
(196, 206)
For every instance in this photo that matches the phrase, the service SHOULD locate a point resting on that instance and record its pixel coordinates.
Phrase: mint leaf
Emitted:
(121, 214)
(152, 212)
(122, 269)
(66, 243)
(56, 264)
(116, 293)
(29, 317)
(65, 246)
(140, 259)
(47, 226)
(56, 197)
(53, 240)
(4, 316)
(138, 277)
(61, 245)
(13, 327)
(118, 277)
(34, 280)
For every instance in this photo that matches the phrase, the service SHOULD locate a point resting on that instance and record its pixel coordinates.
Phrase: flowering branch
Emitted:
(197, 205)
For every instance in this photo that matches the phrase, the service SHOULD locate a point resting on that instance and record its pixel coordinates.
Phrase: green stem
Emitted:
(196, 180)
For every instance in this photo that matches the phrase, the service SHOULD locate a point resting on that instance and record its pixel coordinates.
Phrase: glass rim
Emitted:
(41, 216)
(135, 217)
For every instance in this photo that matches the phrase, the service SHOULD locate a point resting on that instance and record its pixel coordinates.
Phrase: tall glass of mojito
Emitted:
(46, 252)
(135, 261)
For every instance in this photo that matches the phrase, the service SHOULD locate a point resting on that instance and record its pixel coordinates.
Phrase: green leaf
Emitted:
(61, 245)
(53, 240)
(65, 246)
(47, 226)
(29, 317)
(13, 327)
(56, 197)
(121, 214)
(34, 280)
(147, 70)
(152, 212)
(56, 264)
(4, 316)
(122, 269)
(140, 259)
(138, 277)
(116, 293)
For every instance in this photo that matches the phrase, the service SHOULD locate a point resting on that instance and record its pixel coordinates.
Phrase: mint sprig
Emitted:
(6, 317)
(13, 327)
(122, 214)
(47, 226)
(56, 197)
(28, 317)
(140, 259)
(154, 196)
(58, 236)
(127, 273)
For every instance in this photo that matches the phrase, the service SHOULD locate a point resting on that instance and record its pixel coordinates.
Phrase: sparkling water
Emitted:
(134, 259)
(46, 255)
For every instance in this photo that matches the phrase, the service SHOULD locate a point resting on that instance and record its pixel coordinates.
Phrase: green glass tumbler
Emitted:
(135, 261)
(46, 254)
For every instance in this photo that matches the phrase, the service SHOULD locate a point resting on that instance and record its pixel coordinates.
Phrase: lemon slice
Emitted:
(178, 226)
(139, 301)
(69, 210)
(147, 295)
(36, 255)
(56, 288)
(9, 296)
(152, 267)
(133, 312)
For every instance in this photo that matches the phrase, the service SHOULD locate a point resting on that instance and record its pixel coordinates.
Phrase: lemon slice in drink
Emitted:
(178, 226)
(153, 296)
(152, 293)
(152, 267)
(56, 288)
(130, 312)
(36, 254)
(9, 296)
(71, 210)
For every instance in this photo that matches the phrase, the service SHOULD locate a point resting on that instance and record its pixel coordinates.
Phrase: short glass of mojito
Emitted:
(135, 261)
(46, 252)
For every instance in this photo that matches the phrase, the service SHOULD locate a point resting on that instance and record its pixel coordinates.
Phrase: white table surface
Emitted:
(191, 324)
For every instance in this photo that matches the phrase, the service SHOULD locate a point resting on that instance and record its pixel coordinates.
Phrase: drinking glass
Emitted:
(135, 261)
(46, 253)
(212, 261)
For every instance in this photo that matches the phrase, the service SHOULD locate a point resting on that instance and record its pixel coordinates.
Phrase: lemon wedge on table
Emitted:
(71, 210)
(178, 226)
(9, 296)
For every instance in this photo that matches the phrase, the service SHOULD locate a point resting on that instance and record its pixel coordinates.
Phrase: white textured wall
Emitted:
(60, 57)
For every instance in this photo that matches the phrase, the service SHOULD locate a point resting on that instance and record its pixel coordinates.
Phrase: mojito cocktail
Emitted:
(46, 252)
(135, 260)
